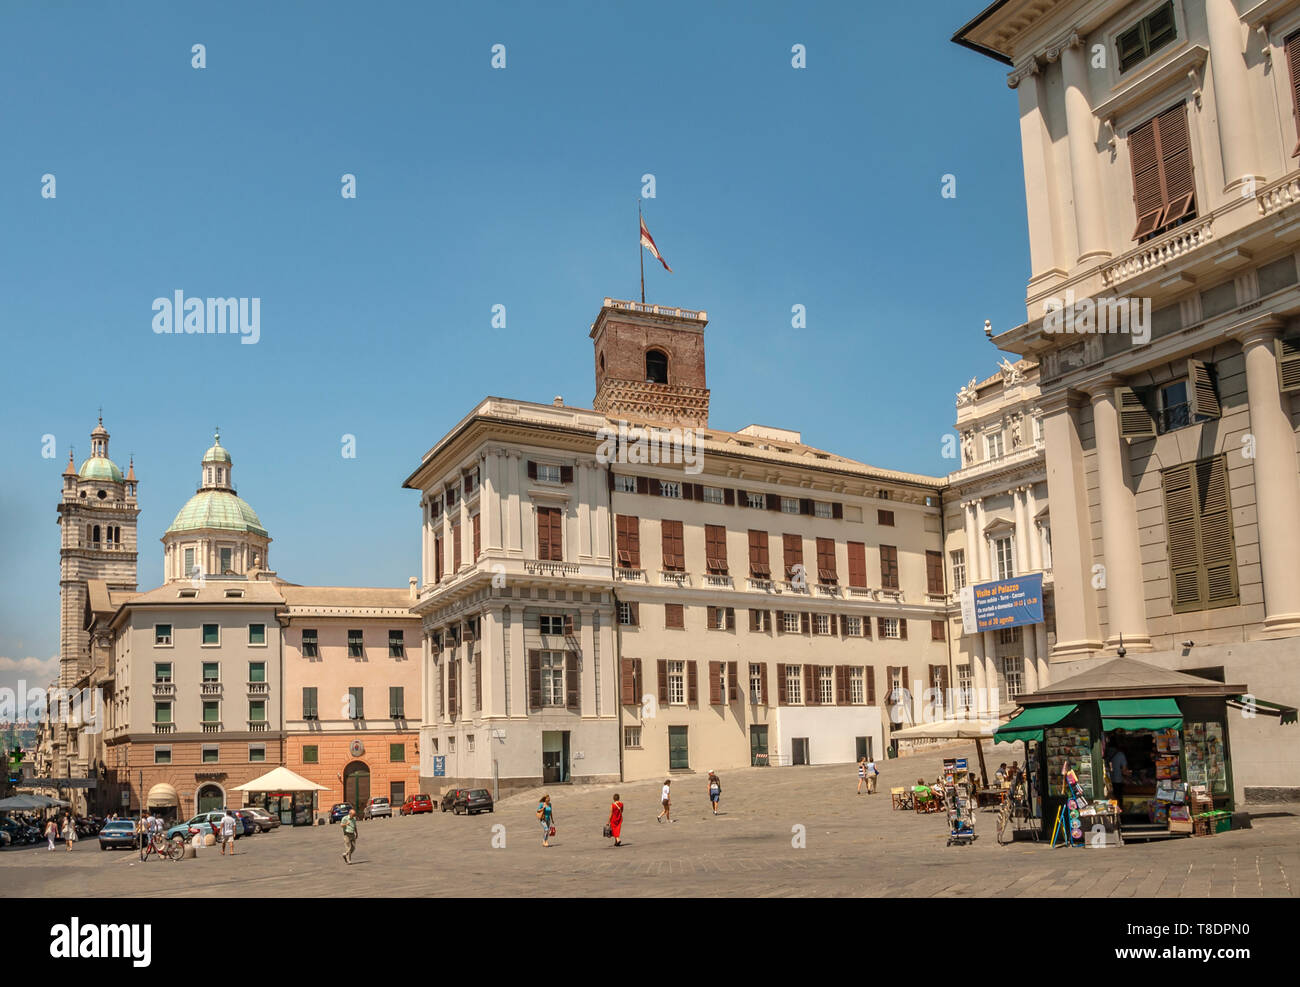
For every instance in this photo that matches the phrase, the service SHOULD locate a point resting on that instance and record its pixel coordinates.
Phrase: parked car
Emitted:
(202, 823)
(19, 834)
(379, 806)
(246, 821)
(415, 804)
(339, 811)
(118, 833)
(5, 838)
(472, 801)
(449, 798)
(265, 821)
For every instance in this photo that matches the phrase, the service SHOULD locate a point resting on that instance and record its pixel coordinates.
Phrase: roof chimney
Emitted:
(414, 594)
(558, 402)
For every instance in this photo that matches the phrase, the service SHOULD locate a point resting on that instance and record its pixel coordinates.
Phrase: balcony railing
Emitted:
(259, 688)
(766, 585)
(828, 589)
(258, 726)
(625, 575)
(164, 727)
(1158, 252)
(673, 577)
(211, 690)
(211, 726)
(717, 579)
(164, 689)
(791, 586)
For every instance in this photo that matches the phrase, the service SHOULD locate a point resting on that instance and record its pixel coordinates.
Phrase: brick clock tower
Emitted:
(650, 363)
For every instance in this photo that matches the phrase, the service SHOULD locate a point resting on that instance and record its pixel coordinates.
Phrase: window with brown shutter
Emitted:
(453, 688)
(782, 696)
(811, 687)
(902, 628)
(759, 567)
(733, 686)
(628, 530)
(455, 547)
(885, 518)
(673, 549)
(1164, 188)
(934, 572)
(478, 684)
(937, 630)
(793, 548)
(692, 683)
(478, 536)
(888, 567)
(571, 679)
(804, 624)
(1199, 535)
(841, 685)
(437, 559)
(729, 497)
(837, 510)
(760, 620)
(715, 683)
(762, 685)
(532, 470)
(1293, 65)
(871, 685)
(628, 674)
(773, 501)
(857, 564)
(674, 616)
(826, 571)
(534, 679)
(715, 549)
(663, 681)
(566, 474)
(643, 485)
(549, 539)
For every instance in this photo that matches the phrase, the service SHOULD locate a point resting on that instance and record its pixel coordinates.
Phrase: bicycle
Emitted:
(164, 848)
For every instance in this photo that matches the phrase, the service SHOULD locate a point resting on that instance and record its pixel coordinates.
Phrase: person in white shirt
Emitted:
(666, 799)
(227, 833)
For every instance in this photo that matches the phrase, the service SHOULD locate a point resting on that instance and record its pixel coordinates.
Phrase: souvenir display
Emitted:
(1205, 756)
(1072, 745)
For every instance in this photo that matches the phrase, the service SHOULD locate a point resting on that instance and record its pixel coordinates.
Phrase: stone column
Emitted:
(1030, 651)
(489, 499)
(1034, 533)
(587, 678)
(1040, 645)
(986, 562)
(1277, 484)
(1077, 630)
(1237, 141)
(1043, 222)
(1126, 612)
(1022, 530)
(1081, 132)
(991, 662)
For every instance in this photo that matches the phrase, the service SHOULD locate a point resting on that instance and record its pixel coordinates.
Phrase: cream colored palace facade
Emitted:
(1159, 142)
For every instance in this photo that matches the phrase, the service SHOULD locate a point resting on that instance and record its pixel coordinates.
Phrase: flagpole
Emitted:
(640, 250)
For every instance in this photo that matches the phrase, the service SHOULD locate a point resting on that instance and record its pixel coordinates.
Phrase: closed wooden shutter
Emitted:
(837, 510)
(532, 470)
(758, 561)
(437, 559)
(742, 498)
(733, 686)
(688, 491)
(1218, 555)
(762, 684)
(1135, 418)
(674, 616)
(453, 688)
(478, 536)
(841, 685)
(715, 683)
(792, 546)
(1183, 539)
(888, 567)
(692, 683)
(811, 693)
(674, 552)
(642, 485)
(805, 506)
(1202, 397)
(773, 501)
(826, 569)
(902, 628)
(478, 684)
(803, 623)
(934, 572)
(566, 474)
(534, 680)
(1293, 64)
(731, 618)
(628, 530)
(634, 614)
(871, 686)
(937, 630)
(663, 681)
(729, 497)
(782, 698)
(571, 679)
(857, 564)
(1287, 352)
(455, 547)
(833, 630)
(628, 672)
(715, 548)
(1148, 202)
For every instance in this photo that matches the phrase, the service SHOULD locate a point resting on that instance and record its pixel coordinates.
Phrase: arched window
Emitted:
(656, 367)
(602, 363)
(95, 534)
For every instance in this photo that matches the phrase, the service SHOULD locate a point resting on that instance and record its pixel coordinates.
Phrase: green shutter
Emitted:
(1288, 363)
(1198, 521)
(1203, 399)
(1218, 558)
(1135, 419)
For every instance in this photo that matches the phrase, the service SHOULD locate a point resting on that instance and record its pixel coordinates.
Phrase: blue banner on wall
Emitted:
(1016, 602)
(440, 766)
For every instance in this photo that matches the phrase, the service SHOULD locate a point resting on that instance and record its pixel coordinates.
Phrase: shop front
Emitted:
(1131, 743)
(285, 794)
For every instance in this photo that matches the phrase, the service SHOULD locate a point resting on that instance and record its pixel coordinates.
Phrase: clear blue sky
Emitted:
(775, 187)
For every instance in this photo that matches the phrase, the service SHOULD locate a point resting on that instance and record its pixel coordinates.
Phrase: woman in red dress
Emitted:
(616, 820)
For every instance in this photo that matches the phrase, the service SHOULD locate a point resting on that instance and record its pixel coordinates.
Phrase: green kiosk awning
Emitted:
(1140, 714)
(1029, 723)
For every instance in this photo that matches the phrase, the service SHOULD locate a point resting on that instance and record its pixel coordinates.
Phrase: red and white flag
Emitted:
(648, 242)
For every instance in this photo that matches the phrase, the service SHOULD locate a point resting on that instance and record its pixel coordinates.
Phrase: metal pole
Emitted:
(640, 250)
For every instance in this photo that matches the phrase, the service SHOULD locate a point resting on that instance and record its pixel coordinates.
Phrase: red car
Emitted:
(416, 803)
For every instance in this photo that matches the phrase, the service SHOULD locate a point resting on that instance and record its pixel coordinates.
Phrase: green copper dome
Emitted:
(100, 468)
(219, 509)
